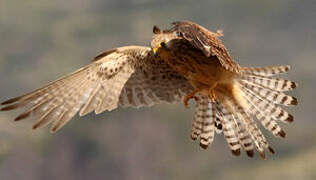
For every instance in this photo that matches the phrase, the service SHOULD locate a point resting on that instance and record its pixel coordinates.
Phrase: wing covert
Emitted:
(206, 41)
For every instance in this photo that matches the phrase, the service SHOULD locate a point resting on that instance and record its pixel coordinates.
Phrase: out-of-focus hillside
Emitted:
(42, 40)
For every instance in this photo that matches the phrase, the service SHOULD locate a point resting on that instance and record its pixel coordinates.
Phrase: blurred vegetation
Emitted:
(42, 40)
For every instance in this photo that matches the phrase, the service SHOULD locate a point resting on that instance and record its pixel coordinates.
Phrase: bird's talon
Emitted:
(185, 102)
(190, 96)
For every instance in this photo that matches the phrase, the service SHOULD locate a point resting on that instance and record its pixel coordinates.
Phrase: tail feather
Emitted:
(208, 128)
(270, 83)
(229, 130)
(268, 108)
(266, 71)
(203, 123)
(272, 96)
(197, 121)
(256, 95)
(256, 135)
(243, 136)
(269, 123)
(218, 122)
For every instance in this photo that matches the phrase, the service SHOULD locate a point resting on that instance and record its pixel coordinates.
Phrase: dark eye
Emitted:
(163, 44)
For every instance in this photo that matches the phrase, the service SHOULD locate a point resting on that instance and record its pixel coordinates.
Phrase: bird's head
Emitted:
(162, 41)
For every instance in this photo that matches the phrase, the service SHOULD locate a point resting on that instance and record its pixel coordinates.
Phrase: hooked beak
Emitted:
(155, 51)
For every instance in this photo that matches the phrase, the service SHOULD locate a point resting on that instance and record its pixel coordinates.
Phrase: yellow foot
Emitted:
(211, 93)
(190, 96)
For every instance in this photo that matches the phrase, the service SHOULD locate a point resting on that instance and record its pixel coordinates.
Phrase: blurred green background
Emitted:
(42, 40)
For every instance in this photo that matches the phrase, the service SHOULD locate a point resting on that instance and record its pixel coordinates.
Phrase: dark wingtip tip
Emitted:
(282, 134)
(294, 85)
(6, 102)
(271, 149)
(9, 101)
(18, 118)
(236, 152)
(35, 126)
(22, 116)
(8, 108)
(54, 129)
(250, 153)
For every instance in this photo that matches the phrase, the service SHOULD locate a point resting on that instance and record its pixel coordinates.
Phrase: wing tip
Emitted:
(9, 107)
(35, 126)
(10, 101)
(22, 116)
(54, 129)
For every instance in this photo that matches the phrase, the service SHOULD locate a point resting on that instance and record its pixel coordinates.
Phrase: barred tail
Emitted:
(206, 121)
(261, 95)
(256, 94)
(266, 71)
(203, 124)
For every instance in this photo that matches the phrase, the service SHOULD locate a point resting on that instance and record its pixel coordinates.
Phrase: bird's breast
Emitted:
(197, 68)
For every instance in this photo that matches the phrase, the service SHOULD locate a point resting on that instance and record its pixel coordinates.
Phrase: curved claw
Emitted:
(211, 93)
(190, 96)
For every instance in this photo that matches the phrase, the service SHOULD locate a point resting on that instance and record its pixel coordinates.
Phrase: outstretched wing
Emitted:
(207, 41)
(125, 76)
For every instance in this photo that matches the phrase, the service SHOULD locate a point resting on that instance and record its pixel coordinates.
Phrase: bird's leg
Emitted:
(211, 92)
(190, 96)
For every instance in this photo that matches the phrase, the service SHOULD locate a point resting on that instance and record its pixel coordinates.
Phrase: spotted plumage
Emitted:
(186, 61)
(126, 76)
(236, 95)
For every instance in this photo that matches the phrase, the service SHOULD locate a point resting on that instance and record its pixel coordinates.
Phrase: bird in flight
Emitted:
(184, 62)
